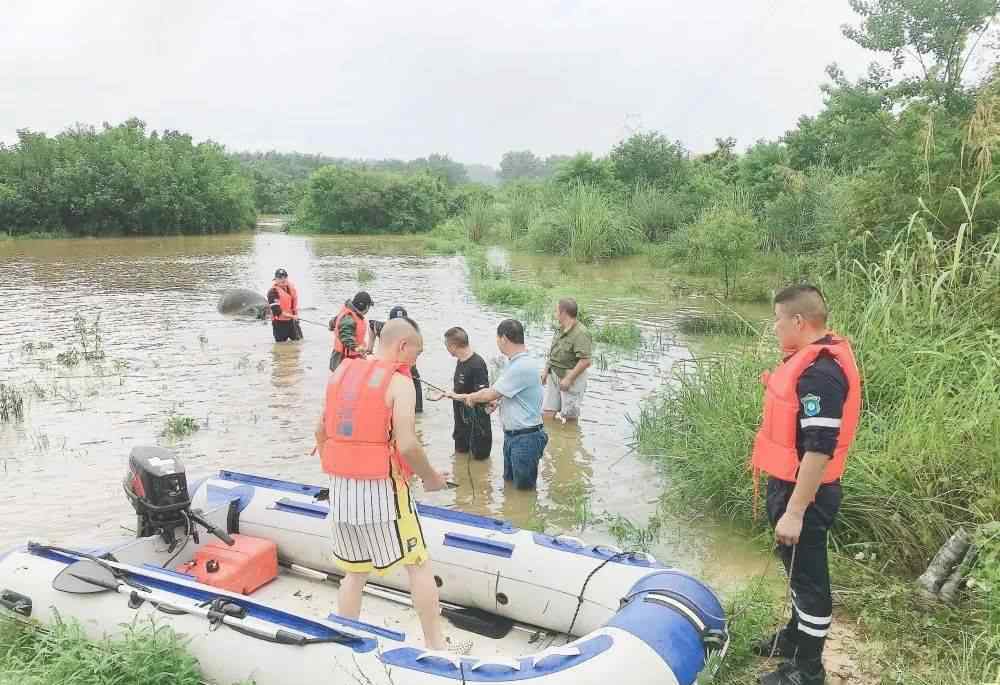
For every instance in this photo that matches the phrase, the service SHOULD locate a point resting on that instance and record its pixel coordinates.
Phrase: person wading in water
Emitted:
(283, 299)
(349, 329)
(473, 432)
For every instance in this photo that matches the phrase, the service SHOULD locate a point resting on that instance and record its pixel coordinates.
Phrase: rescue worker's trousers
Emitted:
(812, 602)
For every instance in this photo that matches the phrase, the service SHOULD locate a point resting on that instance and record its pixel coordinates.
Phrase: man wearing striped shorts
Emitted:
(369, 447)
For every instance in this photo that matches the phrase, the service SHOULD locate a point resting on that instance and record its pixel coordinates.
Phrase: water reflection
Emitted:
(568, 472)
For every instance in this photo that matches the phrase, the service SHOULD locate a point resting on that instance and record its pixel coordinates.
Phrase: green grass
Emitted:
(11, 403)
(69, 358)
(723, 322)
(36, 235)
(477, 219)
(752, 611)
(179, 426)
(626, 335)
(584, 226)
(492, 285)
(651, 213)
(61, 655)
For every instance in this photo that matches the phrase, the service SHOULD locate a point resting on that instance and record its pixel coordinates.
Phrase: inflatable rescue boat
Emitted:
(241, 565)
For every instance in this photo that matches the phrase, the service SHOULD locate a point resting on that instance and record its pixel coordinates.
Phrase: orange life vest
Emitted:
(359, 332)
(287, 299)
(774, 449)
(358, 423)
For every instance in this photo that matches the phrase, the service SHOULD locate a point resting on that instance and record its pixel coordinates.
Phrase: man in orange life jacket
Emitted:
(349, 329)
(368, 442)
(283, 299)
(812, 403)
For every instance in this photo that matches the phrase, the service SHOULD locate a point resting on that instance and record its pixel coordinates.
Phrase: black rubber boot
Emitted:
(785, 649)
(792, 673)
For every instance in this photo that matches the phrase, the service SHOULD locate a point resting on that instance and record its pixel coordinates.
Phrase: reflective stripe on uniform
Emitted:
(825, 621)
(820, 422)
(812, 631)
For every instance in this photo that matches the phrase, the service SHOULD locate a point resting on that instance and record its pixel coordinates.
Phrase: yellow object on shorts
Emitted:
(381, 546)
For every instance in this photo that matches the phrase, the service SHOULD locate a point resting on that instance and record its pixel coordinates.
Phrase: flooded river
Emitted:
(167, 352)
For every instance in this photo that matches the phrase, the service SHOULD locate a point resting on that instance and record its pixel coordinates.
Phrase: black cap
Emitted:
(397, 312)
(362, 300)
(281, 273)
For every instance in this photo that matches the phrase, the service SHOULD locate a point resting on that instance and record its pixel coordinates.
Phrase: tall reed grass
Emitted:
(478, 218)
(522, 208)
(585, 226)
(652, 213)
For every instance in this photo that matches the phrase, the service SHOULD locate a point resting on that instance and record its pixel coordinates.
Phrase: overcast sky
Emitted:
(360, 78)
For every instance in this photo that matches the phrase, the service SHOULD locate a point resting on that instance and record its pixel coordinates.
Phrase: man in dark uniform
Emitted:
(811, 411)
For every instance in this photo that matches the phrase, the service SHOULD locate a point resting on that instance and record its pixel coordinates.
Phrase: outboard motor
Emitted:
(156, 485)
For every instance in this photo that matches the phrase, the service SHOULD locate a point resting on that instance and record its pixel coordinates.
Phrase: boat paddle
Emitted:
(465, 618)
(89, 576)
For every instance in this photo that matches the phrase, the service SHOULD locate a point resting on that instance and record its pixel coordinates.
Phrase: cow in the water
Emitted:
(243, 302)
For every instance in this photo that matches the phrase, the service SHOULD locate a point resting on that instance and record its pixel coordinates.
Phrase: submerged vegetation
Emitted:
(626, 335)
(180, 426)
(11, 403)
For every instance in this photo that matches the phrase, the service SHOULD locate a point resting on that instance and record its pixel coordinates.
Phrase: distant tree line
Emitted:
(120, 180)
(280, 179)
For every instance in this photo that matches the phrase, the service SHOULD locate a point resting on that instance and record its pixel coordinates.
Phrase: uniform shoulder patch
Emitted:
(810, 404)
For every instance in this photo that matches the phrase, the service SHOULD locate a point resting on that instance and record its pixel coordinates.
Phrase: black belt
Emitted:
(522, 431)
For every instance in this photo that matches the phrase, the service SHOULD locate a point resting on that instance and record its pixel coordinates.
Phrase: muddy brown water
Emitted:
(169, 352)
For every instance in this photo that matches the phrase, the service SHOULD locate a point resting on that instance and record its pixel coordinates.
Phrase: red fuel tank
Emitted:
(244, 567)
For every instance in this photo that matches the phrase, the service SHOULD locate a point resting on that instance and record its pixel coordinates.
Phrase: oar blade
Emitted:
(85, 577)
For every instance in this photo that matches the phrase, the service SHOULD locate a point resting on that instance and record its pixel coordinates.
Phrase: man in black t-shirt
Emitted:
(473, 432)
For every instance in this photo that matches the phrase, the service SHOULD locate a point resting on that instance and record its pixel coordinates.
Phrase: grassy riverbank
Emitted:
(147, 655)
(922, 320)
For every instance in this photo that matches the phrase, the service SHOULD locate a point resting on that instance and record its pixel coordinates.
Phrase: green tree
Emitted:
(583, 168)
(121, 180)
(940, 35)
(724, 237)
(648, 158)
(520, 164)
(762, 170)
(723, 158)
(551, 165)
(349, 200)
(442, 166)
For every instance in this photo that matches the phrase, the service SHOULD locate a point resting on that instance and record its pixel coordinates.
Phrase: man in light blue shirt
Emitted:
(520, 392)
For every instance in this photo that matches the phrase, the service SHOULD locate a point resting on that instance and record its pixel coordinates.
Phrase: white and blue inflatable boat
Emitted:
(537, 609)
